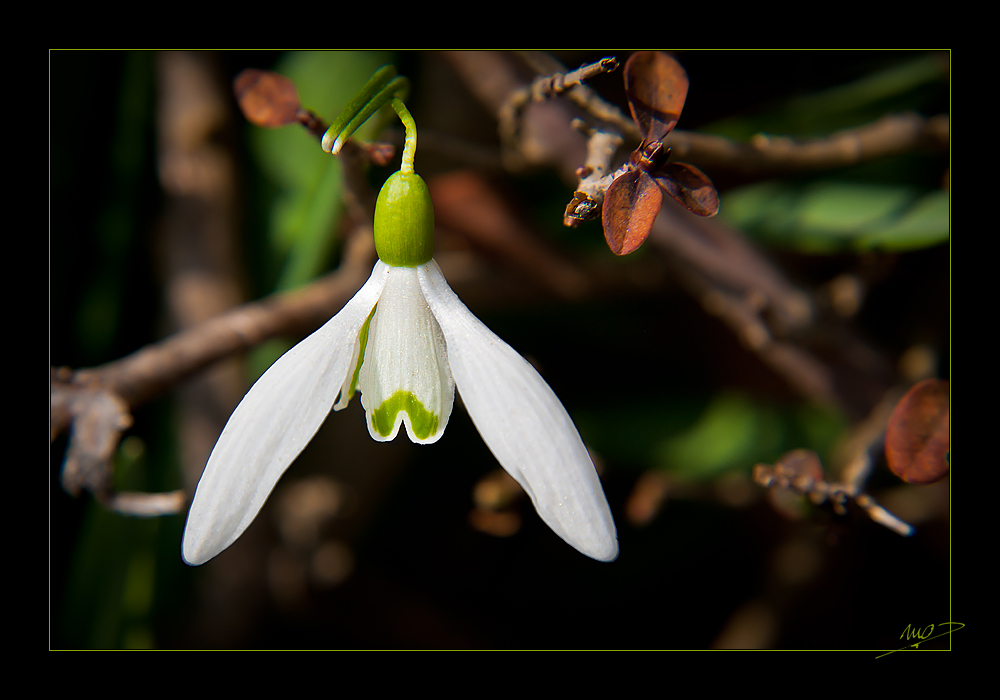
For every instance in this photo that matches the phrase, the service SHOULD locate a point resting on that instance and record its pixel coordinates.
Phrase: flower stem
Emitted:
(410, 144)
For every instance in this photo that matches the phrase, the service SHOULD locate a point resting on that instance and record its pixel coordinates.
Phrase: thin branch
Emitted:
(891, 135)
(544, 87)
(491, 77)
(717, 266)
(802, 472)
(583, 96)
(765, 156)
(595, 177)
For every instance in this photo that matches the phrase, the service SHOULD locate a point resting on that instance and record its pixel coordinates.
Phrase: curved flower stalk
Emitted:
(406, 342)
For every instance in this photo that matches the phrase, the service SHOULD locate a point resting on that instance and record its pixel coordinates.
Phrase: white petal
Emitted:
(405, 379)
(348, 388)
(272, 425)
(524, 424)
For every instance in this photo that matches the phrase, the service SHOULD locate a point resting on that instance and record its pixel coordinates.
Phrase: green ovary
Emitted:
(423, 422)
(404, 221)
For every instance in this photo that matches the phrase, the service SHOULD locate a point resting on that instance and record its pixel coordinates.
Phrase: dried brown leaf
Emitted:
(266, 98)
(917, 440)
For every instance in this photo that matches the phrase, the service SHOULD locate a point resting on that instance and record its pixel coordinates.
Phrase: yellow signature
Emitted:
(915, 636)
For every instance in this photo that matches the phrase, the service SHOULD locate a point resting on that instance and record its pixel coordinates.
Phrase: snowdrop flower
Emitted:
(406, 342)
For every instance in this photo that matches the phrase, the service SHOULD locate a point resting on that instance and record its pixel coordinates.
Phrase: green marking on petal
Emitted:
(423, 422)
(363, 343)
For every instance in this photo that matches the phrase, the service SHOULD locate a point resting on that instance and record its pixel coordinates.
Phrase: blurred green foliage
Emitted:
(893, 205)
(122, 578)
(829, 216)
(303, 183)
(100, 186)
(893, 85)
(699, 439)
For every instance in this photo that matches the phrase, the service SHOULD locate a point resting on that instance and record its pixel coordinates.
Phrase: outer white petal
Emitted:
(272, 425)
(524, 424)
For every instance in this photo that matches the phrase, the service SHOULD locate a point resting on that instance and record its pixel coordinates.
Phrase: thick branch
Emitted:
(152, 370)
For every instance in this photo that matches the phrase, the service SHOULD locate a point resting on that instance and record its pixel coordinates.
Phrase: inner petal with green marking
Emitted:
(404, 377)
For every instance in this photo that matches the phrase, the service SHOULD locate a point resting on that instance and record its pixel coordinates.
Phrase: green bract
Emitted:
(404, 221)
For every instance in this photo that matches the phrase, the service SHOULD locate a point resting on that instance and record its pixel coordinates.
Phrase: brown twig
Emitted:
(595, 176)
(765, 156)
(801, 471)
(730, 277)
(540, 138)
(95, 403)
(891, 135)
(151, 370)
(583, 96)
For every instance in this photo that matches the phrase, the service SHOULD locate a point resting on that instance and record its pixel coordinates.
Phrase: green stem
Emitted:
(410, 144)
